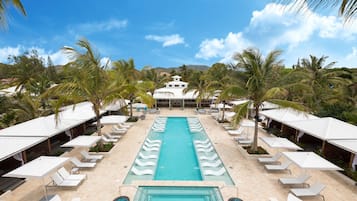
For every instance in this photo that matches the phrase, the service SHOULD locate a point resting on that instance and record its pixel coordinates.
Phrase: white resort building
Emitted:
(172, 95)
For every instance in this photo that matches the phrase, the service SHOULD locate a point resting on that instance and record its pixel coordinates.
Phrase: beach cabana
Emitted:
(279, 118)
(38, 169)
(82, 141)
(349, 146)
(280, 143)
(329, 129)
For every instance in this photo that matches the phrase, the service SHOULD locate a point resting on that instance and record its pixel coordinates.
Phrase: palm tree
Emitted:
(347, 8)
(4, 4)
(199, 84)
(127, 75)
(255, 76)
(320, 80)
(88, 81)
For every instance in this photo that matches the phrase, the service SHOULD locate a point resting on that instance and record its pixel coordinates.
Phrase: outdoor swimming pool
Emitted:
(177, 158)
(166, 193)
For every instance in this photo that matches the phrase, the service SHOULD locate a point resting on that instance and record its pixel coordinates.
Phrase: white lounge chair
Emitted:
(218, 172)
(118, 131)
(153, 141)
(245, 141)
(209, 158)
(108, 140)
(151, 145)
(283, 166)
(204, 146)
(201, 141)
(108, 135)
(122, 125)
(211, 164)
(145, 148)
(119, 128)
(90, 157)
(80, 164)
(301, 179)
(205, 150)
(313, 190)
(58, 198)
(196, 130)
(59, 181)
(144, 163)
(151, 156)
(67, 176)
(238, 131)
(273, 159)
(141, 172)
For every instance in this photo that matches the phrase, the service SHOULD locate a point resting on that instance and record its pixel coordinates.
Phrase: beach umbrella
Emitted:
(38, 168)
(280, 143)
(310, 161)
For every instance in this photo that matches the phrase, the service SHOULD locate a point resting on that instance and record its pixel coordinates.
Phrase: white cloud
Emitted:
(94, 27)
(223, 47)
(167, 40)
(278, 26)
(58, 58)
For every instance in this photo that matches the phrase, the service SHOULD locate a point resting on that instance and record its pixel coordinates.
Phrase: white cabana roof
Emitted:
(173, 93)
(113, 119)
(310, 160)
(37, 168)
(278, 142)
(47, 126)
(117, 105)
(326, 128)
(82, 141)
(10, 146)
(238, 102)
(348, 145)
(284, 115)
(247, 123)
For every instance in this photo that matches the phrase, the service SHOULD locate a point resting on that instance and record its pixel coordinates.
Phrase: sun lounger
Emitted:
(118, 131)
(273, 159)
(151, 145)
(90, 157)
(301, 179)
(60, 182)
(145, 148)
(144, 163)
(141, 172)
(239, 131)
(151, 156)
(209, 158)
(58, 198)
(283, 166)
(201, 141)
(111, 136)
(218, 172)
(205, 150)
(108, 140)
(80, 164)
(153, 141)
(211, 164)
(126, 126)
(313, 190)
(67, 176)
(196, 130)
(204, 146)
(245, 141)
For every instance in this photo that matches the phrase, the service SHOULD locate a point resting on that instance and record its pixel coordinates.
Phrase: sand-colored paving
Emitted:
(252, 181)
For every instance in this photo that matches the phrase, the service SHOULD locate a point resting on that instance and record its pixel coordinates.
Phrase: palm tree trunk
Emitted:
(99, 126)
(254, 147)
(224, 105)
(131, 109)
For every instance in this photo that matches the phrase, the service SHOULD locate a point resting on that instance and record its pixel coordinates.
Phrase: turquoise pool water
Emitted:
(178, 160)
(165, 193)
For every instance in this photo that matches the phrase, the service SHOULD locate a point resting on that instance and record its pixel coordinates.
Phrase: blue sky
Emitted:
(167, 33)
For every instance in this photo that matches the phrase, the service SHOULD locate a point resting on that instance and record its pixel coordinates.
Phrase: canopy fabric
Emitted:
(327, 128)
(348, 145)
(9, 146)
(37, 168)
(113, 119)
(174, 93)
(310, 160)
(238, 102)
(284, 115)
(117, 105)
(278, 142)
(48, 126)
(82, 141)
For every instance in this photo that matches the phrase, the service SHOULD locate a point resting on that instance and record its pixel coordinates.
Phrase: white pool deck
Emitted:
(252, 181)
